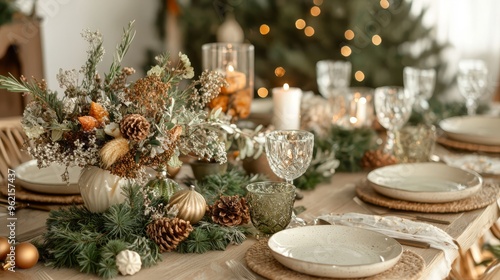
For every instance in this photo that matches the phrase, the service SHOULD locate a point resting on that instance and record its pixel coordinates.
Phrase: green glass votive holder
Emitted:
(271, 205)
(414, 143)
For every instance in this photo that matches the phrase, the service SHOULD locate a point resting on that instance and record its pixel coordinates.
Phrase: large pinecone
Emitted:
(134, 127)
(230, 211)
(376, 159)
(168, 233)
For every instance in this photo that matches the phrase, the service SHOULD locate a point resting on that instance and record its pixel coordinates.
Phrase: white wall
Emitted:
(64, 20)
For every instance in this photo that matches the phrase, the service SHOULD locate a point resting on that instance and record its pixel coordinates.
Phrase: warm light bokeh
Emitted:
(376, 40)
(349, 34)
(264, 29)
(300, 23)
(359, 76)
(309, 31)
(384, 4)
(346, 51)
(279, 71)
(315, 11)
(262, 92)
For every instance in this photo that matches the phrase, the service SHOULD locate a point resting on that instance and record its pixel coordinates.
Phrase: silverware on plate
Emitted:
(402, 241)
(411, 217)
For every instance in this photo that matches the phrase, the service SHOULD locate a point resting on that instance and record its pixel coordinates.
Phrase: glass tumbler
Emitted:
(271, 205)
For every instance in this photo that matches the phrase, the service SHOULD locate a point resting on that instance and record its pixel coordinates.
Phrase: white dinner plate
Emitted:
(335, 251)
(425, 182)
(47, 180)
(483, 130)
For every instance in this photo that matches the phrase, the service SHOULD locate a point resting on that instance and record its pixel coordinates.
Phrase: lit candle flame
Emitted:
(230, 68)
(286, 86)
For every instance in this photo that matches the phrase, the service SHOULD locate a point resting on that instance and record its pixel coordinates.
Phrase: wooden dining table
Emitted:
(335, 197)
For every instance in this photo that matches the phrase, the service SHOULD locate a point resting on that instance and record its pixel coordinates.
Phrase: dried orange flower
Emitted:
(88, 122)
(220, 101)
(98, 112)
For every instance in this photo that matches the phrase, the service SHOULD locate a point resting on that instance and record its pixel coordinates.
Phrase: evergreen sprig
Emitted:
(209, 236)
(233, 182)
(121, 50)
(349, 145)
(45, 97)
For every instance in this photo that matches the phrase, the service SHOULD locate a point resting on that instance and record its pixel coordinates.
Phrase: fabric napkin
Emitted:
(398, 227)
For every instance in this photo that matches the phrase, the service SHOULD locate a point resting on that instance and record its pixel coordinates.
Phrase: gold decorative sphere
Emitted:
(4, 248)
(26, 255)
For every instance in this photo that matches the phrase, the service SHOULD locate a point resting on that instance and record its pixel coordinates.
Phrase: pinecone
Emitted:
(230, 211)
(375, 159)
(168, 233)
(134, 127)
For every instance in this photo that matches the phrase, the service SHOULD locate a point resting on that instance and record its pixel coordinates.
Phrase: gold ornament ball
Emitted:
(190, 203)
(4, 248)
(26, 255)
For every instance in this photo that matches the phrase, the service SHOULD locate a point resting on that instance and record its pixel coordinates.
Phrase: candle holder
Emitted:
(359, 109)
(236, 62)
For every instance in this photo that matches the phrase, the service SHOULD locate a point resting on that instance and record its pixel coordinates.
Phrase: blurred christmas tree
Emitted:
(379, 37)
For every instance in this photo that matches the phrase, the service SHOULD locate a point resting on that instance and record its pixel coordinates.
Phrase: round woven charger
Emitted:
(25, 195)
(261, 261)
(482, 198)
(452, 143)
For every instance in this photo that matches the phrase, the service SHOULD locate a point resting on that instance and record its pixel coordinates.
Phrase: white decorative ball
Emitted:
(128, 262)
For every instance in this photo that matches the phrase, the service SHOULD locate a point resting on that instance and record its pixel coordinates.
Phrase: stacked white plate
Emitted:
(482, 130)
(425, 182)
(47, 180)
(335, 251)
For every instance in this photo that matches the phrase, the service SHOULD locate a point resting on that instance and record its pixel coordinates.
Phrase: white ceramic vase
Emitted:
(100, 189)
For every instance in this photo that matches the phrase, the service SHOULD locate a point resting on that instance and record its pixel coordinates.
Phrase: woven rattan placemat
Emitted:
(452, 143)
(261, 261)
(25, 195)
(484, 197)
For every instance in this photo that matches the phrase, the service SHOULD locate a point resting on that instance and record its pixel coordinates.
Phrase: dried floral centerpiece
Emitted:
(125, 126)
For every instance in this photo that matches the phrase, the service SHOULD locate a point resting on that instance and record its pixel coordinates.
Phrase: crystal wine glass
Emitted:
(420, 82)
(332, 75)
(289, 152)
(393, 108)
(472, 75)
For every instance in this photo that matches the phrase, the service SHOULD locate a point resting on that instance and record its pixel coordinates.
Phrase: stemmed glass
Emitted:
(472, 75)
(332, 75)
(333, 79)
(393, 108)
(420, 82)
(289, 153)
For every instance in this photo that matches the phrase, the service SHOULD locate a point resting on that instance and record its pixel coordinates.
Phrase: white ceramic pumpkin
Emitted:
(128, 262)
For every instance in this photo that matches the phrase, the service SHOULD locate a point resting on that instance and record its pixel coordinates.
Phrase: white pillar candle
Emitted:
(361, 111)
(286, 107)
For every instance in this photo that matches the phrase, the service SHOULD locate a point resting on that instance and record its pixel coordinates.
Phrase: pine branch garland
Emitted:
(349, 146)
(231, 183)
(118, 223)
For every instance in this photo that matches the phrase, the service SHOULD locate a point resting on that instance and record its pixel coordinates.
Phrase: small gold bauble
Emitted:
(190, 203)
(4, 247)
(26, 255)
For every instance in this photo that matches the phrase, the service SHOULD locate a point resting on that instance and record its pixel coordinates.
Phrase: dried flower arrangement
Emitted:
(125, 126)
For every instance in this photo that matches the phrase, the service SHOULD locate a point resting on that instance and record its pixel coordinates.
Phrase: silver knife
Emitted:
(402, 241)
